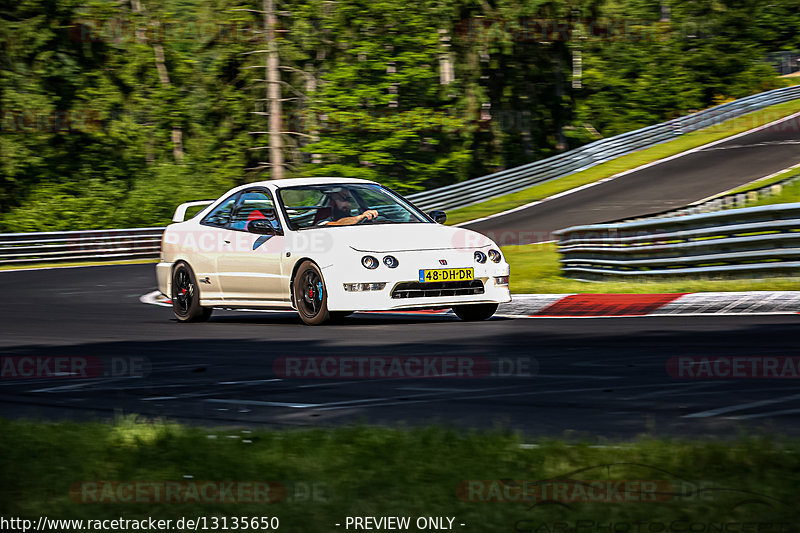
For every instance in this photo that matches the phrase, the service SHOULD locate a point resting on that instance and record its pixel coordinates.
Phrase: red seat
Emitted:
(255, 214)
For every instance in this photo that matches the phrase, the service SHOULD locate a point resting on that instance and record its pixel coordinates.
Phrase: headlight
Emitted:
(390, 261)
(495, 256)
(480, 257)
(369, 262)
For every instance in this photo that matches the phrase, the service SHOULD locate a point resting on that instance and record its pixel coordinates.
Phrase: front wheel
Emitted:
(186, 296)
(475, 312)
(310, 295)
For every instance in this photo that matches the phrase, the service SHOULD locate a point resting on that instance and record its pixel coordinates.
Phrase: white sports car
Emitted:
(325, 247)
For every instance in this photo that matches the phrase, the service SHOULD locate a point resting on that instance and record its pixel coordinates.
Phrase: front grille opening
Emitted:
(415, 289)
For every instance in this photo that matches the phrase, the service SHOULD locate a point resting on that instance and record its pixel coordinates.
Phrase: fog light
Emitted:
(360, 287)
(495, 256)
(480, 257)
(369, 262)
(390, 261)
(501, 280)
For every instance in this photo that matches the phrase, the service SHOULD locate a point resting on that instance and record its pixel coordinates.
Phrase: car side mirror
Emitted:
(261, 226)
(440, 217)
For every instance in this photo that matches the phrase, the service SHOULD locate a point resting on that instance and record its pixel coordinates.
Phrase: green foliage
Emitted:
(87, 121)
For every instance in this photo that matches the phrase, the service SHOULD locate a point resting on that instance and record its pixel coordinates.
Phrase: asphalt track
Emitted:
(671, 184)
(586, 378)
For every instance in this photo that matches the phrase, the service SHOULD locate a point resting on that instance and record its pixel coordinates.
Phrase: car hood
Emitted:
(383, 238)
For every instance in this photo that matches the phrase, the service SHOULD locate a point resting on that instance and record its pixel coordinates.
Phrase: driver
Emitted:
(340, 210)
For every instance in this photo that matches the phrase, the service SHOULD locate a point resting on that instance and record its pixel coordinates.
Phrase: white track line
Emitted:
(742, 406)
(538, 302)
(294, 405)
(764, 415)
(152, 298)
(679, 389)
(754, 182)
(158, 398)
(61, 388)
(72, 266)
(477, 397)
(249, 382)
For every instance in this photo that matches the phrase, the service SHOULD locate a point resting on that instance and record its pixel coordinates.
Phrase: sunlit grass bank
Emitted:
(487, 481)
(535, 269)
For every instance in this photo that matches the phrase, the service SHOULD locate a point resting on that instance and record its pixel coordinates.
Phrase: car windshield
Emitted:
(345, 204)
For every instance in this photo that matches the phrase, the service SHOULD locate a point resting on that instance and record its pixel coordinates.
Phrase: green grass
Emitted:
(76, 264)
(368, 471)
(627, 162)
(763, 182)
(535, 270)
(789, 194)
(792, 79)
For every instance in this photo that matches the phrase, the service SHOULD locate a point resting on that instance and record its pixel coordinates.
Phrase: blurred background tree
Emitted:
(113, 112)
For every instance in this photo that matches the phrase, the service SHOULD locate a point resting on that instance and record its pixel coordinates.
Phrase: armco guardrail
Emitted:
(515, 179)
(90, 245)
(754, 241)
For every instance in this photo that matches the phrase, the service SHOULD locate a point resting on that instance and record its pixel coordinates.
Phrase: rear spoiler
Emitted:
(180, 212)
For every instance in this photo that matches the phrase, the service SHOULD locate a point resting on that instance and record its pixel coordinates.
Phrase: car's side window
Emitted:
(376, 198)
(221, 215)
(254, 205)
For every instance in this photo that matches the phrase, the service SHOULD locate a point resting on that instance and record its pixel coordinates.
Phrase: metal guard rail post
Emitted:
(751, 242)
(89, 245)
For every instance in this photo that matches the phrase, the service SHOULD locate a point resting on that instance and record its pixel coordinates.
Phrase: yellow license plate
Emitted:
(446, 274)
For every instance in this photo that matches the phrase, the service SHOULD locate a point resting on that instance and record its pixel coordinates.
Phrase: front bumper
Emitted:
(381, 300)
(164, 278)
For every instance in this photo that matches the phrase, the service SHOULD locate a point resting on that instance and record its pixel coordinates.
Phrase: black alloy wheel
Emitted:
(310, 295)
(186, 296)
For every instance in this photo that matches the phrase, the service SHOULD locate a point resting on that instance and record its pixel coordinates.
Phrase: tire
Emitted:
(186, 296)
(475, 312)
(310, 295)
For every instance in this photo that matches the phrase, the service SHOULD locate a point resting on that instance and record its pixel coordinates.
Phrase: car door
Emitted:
(250, 267)
(204, 243)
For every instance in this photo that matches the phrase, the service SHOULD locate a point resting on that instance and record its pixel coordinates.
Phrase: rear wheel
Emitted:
(186, 296)
(475, 312)
(310, 295)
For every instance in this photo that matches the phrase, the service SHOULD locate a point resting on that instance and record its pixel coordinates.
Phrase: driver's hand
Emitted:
(369, 214)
